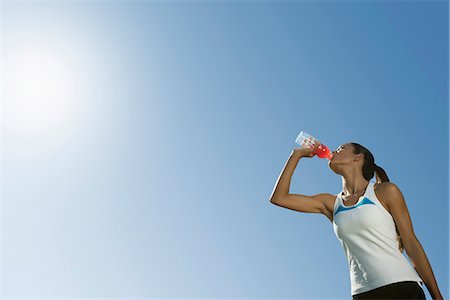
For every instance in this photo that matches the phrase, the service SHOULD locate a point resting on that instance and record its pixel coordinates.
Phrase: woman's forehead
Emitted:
(344, 145)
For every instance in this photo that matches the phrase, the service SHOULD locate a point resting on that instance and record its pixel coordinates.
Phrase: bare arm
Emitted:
(302, 203)
(283, 183)
(422, 265)
(399, 211)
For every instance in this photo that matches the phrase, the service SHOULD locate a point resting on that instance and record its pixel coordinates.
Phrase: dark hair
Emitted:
(369, 168)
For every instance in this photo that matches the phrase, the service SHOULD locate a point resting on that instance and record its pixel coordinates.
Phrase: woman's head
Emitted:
(357, 158)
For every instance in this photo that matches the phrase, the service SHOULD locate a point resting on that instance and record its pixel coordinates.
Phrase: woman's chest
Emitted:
(352, 200)
(363, 218)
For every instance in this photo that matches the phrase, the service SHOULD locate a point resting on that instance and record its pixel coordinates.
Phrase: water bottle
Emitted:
(306, 140)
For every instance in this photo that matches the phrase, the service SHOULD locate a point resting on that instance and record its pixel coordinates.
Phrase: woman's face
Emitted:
(341, 149)
(341, 156)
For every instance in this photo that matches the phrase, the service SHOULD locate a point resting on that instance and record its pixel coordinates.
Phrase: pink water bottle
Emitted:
(306, 140)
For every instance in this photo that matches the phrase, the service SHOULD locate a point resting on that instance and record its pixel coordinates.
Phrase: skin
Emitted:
(349, 166)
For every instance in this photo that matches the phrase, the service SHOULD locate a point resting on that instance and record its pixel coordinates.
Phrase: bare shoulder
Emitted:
(329, 201)
(384, 190)
(386, 187)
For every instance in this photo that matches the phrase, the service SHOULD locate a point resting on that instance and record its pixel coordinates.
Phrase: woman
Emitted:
(370, 220)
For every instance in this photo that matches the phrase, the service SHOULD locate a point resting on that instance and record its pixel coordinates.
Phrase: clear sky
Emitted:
(141, 141)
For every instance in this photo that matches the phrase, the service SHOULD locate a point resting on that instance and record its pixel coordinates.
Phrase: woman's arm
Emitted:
(284, 180)
(420, 262)
(397, 207)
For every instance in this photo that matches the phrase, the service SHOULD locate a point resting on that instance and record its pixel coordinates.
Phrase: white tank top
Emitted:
(367, 233)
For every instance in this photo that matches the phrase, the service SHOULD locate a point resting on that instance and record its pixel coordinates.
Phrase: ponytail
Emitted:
(381, 174)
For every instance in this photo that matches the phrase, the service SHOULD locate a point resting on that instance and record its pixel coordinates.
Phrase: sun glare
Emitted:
(39, 88)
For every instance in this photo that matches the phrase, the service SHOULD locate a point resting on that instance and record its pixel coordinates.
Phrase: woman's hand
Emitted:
(306, 152)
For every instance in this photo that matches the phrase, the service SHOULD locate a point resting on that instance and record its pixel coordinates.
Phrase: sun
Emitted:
(39, 87)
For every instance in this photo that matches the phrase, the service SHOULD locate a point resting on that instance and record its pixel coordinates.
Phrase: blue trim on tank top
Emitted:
(364, 201)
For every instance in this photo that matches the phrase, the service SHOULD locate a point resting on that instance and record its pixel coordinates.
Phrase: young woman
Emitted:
(372, 223)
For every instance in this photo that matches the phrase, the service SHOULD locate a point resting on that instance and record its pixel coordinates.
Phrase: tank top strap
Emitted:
(336, 201)
(373, 197)
(371, 194)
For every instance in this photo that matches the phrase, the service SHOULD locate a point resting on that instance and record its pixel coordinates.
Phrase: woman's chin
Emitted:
(332, 166)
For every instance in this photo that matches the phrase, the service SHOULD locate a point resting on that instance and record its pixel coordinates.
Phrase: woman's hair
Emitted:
(369, 168)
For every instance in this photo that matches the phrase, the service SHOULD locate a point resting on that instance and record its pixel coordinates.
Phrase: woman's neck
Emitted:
(355, 186)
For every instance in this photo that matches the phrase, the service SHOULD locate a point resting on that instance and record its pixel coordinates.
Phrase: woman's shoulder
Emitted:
(385, 185)
(330, 201)
(384, 192)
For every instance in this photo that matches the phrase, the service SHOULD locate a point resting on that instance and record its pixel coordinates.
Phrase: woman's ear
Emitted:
(359, 156)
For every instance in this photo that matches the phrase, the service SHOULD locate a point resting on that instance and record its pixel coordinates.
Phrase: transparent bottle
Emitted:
(306, 140)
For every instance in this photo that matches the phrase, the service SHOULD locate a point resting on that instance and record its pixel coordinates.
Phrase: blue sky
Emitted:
(141, 141)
